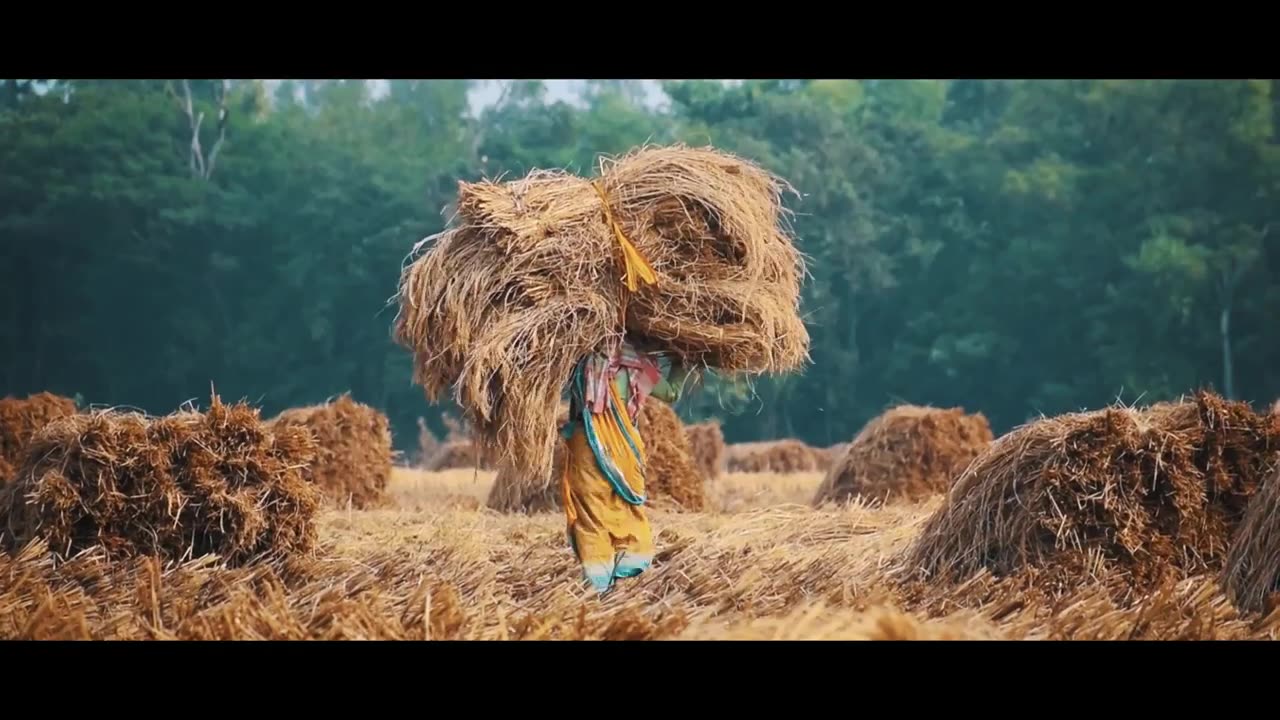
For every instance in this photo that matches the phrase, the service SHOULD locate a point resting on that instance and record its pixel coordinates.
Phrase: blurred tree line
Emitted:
(1014, 247)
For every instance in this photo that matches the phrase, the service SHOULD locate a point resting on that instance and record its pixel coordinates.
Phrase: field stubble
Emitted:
(759, 564)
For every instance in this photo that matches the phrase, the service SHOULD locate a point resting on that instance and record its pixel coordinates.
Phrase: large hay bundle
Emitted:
(186, 485)
(908, 452)
(670, 471)
(1251, 575)
(706, 443)
(672, 479)
(1151, 495)
(20, 419)
(531, 280)
(774, 456)
(354, 455)
(512, 492)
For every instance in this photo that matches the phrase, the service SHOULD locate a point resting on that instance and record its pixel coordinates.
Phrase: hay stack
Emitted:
(354, 455)
(1251, 576)
(1151, 495)
(512, 492)
(459, 454)
(185, 485)
(459, 451)
(530, 280)
(830, 455)
(20, 419)
(776, 456)
(706, 443)
(671, 473)
(428, 444)
(907, 453)
(672, 479)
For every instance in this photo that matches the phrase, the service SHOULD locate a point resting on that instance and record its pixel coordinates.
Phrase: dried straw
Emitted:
(774, 456)
(186, 485)
(670, 471)
(1152, 495)
(706, 442)
(530, 280)
(354, 454)
(907, 453)
(1252, 573)
(20, 419)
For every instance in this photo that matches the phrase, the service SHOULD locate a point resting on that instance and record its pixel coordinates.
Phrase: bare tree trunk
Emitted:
(202, 165)
(1228, 374)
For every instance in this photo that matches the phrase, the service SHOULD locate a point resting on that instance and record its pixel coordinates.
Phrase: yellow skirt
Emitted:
(610, 536)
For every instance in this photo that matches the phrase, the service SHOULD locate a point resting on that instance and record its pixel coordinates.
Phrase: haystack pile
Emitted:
(532, 278)
(458, 450)
(20, 419)
(829, 456)
(1148, 495)
(907, 453)
(354, 455)
(428, 444)
(672, 478)
(775, 456)
(706, 443)
(186, 485)
(1251, 576)
(458, 454)
(671, 472)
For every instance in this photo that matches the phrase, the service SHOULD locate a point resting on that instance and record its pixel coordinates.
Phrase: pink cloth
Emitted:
(643, 374)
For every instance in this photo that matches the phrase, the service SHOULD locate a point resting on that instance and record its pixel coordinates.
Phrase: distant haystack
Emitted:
(778, 456)
(908, 453)
(20, 419)
(354, 457)
(831, 455)
(671, 473)
(1148, 496)
(190, 484)
(706, 442)
(428, 445)
(459, 454)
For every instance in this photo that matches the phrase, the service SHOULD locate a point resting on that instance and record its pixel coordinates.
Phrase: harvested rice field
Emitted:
(433, 563)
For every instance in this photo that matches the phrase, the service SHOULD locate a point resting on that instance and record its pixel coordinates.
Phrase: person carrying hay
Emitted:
(553, 280)
(604, 468)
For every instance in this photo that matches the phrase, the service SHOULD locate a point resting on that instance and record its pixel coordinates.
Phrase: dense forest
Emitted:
(1013, 247)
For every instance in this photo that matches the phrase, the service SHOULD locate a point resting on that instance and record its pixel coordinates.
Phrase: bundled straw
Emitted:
(706, 442)
(774, 456)
(221, 482)
(1153, 494)
(908, 453)
(679, 248)
(1252, 573)
(671, 473)
(19, 421)
(354, 454)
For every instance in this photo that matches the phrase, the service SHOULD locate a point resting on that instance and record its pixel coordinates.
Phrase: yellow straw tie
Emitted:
(636, 266)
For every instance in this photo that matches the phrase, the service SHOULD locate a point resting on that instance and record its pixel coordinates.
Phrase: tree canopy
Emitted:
(1013, 247)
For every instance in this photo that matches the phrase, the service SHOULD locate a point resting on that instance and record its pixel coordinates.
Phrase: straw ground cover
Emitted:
(757, 564)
